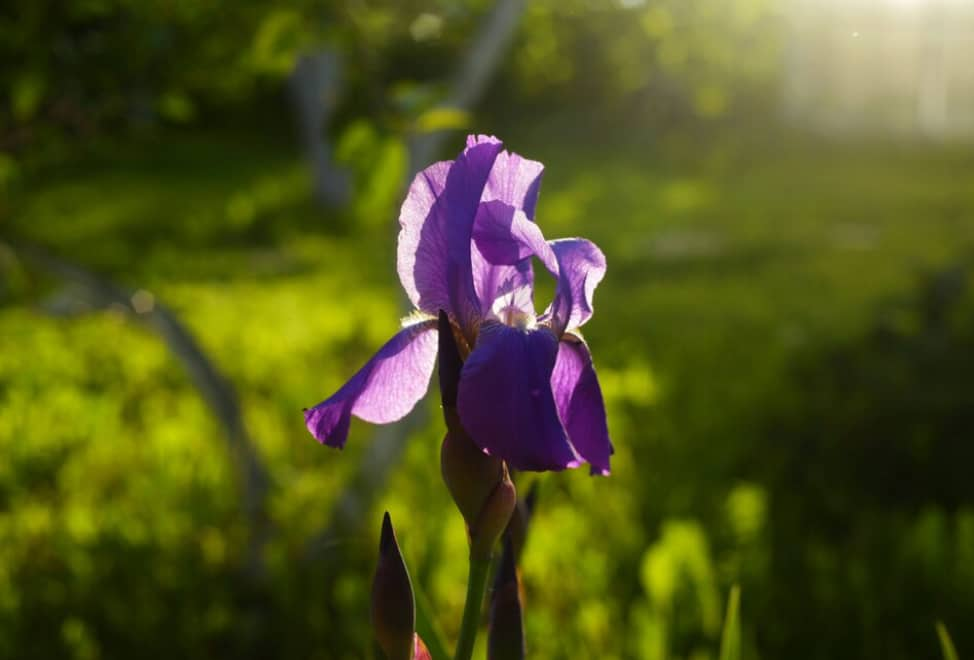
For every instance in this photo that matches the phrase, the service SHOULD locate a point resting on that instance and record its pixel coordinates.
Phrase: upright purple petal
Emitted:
(464, 189)
(581, 266)
(505, 400)
(505, 236)
(515, 181)
(580, 406)
(422, 249)
(382, 391)
(437, 222)
(504, 241)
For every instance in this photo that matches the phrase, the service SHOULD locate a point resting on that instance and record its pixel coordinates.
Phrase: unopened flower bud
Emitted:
(478, 482)
(469, 473)
(420, 652)
(505, 634)
(393, 607)
(493, 518)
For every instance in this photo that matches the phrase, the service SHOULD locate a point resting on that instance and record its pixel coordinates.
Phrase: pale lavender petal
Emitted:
(502, 286)
(515, 181)
(505, 400)
(437, 223)
(580, 405)
(581, 266)
(505, 236)
(504, 241)
(382, 391)
(464, 188)
(422, 250)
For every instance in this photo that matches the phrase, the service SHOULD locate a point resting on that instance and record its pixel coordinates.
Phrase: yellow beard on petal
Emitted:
(515, 318)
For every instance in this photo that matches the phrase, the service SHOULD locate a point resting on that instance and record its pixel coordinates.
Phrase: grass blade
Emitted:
(946, 643)
(427, 628)
(730, 638)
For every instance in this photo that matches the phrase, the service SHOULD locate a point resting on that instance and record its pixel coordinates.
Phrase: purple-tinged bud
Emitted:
(420, 652)
(393, 607)
(470, 474)
(505, 629)
(478, 482)
(493, 518)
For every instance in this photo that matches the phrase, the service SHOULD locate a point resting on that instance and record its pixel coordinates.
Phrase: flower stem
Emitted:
(476, 585)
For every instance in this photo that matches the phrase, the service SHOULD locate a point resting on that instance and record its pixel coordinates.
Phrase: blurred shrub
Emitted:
(646, 62)
(72, 68)
(871, 496)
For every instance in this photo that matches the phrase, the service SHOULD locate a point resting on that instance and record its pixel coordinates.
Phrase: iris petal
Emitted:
(504, 236)
(515, 181)
(581, 266)
(580, 405)
(384, 390)
(434, 259)
(505, 400)
(422, 256)
(504, 241)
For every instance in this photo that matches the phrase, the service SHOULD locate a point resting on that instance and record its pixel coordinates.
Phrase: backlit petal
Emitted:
(384, 390)
(437, 223)
(422, 255)
(515, 181)
(581, 266)
(504, 241)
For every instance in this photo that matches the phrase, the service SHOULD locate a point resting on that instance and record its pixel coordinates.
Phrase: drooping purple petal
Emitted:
(581, 266)
(515, 181)
(382, 391)
(505, 400)
(436, 222)
(580, 405)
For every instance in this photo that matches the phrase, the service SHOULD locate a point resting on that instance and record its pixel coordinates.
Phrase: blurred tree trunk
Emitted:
(314, 86)
(474, 74)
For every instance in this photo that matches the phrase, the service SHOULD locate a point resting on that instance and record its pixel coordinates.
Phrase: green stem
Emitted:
(476, 585)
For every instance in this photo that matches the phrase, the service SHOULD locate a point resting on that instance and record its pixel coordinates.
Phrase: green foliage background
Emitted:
(784, 338)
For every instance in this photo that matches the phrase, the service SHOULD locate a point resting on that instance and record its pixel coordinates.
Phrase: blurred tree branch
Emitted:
(472, 77)
(314, 86)
(91, 291)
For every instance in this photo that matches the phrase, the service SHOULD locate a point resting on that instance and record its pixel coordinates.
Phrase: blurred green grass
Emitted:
(727, 258)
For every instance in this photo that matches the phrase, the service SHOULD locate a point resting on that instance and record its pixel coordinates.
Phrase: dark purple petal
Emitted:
(581, 266)
(437, 223)
(580, 406)
(515, 181)
(505, 400)
(382, 391)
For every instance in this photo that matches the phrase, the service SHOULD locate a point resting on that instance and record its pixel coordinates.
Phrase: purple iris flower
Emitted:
(528, 392)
